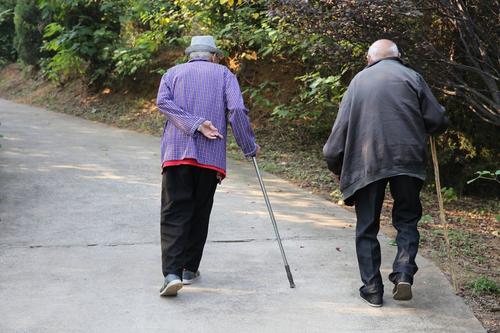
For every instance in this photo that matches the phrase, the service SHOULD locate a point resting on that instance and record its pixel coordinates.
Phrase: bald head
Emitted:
(383, 48)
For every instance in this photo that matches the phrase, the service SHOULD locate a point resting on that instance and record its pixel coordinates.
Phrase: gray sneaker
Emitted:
(171, 285)
(189, 277)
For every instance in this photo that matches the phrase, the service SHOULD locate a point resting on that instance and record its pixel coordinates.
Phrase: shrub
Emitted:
(318, 100)
(449, 194)
(147, 28)
(81, 38)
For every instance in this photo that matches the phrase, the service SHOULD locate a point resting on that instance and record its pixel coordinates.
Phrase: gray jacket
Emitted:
(382, 126)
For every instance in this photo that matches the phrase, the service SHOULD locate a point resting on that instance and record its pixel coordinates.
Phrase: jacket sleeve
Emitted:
(333, 150)
(180, 118)
(238, 115)
(433, 114)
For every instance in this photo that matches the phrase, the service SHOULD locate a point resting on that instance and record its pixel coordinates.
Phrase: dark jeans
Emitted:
(406, 213)
(186, 202)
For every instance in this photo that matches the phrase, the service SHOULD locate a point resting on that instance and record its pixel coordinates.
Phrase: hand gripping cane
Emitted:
(273, 220)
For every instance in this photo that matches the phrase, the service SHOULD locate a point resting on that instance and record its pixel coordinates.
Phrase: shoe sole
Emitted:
(172, 288)
(188, 282)
(372, 304)
(403, 292)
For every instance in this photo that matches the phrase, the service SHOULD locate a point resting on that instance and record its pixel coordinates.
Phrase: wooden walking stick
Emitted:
(442, 216)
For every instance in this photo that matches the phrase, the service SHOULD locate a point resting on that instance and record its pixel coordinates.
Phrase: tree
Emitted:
(7, 50)
(462, 41)
(28, 27)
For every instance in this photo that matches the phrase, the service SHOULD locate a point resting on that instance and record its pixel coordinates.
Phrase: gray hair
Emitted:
(200, 55)
(383, 48)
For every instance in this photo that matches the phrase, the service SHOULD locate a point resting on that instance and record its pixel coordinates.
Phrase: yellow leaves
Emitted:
(252, 55)
(230, 3)
(233, 64)
(165, 21)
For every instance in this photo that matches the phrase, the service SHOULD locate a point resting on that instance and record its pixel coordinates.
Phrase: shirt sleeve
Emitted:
(334, 148)
(179, 117)
(432, 112)
(238, 116)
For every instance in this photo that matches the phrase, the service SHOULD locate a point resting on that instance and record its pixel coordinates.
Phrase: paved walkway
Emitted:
(79, 246)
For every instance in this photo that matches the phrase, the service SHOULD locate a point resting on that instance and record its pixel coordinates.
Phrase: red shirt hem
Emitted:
(193, 162)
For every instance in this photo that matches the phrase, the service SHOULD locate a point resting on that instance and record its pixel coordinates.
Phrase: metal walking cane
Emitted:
(273, 220)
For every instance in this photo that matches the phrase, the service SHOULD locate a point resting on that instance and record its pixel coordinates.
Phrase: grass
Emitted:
(483, 286)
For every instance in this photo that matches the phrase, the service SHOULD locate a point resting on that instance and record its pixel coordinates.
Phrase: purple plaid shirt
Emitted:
(191, 93)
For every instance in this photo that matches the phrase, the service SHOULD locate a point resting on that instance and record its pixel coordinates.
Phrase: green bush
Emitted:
(318, 95)
(448, 194)
(81, 38)
(108, 41)
(148, 27)
(256, 96)
(28, 27)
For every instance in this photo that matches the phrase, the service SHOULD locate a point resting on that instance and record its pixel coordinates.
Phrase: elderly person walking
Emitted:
(197, 99)
(379, 138)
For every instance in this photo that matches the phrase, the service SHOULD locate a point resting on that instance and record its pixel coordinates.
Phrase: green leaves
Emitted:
(52, 29)
(80, 39)
(449, 194)
(426, 219)
(257, 95)
(6, 14)
(487, 175)
(129, 60)
(484, 286)
(318, 96)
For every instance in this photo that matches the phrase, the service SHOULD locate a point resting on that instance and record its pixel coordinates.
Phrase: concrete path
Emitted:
(79, 246)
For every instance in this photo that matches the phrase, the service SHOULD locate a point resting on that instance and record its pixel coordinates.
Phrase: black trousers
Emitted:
(187, 197)
(406, 212)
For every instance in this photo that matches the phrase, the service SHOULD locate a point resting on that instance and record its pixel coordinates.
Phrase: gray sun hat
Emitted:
(203, 44)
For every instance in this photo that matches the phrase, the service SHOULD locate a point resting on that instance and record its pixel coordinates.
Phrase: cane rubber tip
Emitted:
(289, 275)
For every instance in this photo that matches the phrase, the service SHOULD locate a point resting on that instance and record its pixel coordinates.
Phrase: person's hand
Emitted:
(209, 130)
(257, 151)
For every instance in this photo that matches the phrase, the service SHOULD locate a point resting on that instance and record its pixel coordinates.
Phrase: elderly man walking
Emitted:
(379, 138)
(197, 99)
